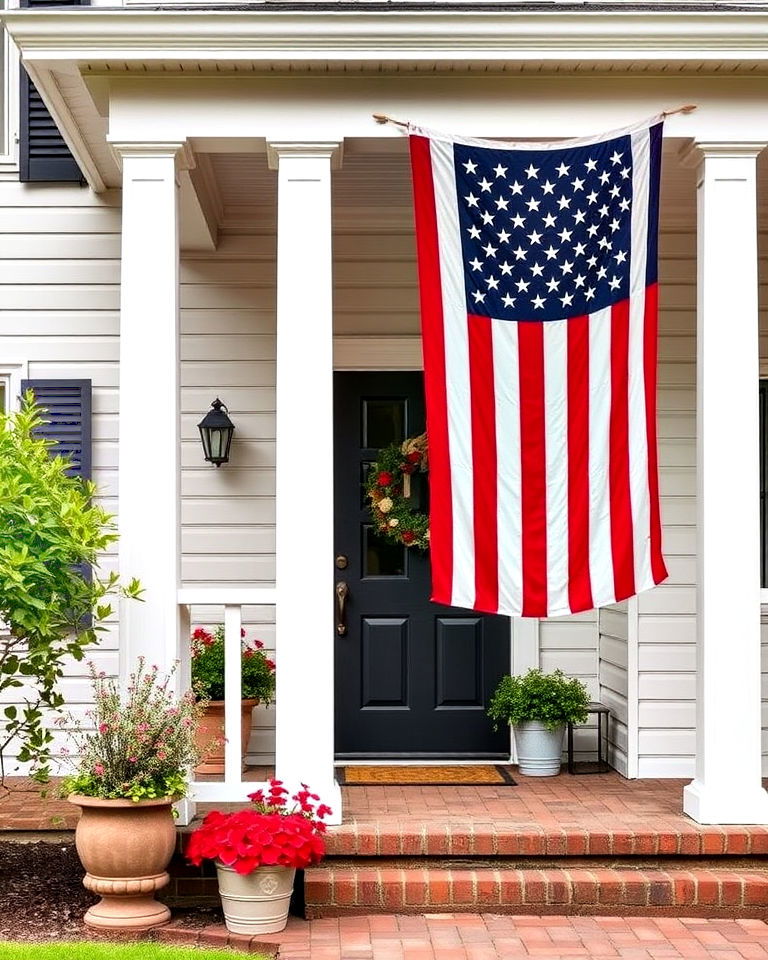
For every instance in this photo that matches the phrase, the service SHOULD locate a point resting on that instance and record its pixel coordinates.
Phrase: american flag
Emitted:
(538, 279)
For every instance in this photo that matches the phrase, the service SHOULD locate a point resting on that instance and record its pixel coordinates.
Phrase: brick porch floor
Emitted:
(541, 816)
(599, 815)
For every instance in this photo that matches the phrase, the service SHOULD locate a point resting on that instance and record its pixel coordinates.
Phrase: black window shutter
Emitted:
(67, 418)
(43, 153)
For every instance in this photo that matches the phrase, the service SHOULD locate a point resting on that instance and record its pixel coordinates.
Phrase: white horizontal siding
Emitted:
(666, 629)
(613, 666)
(59, 276)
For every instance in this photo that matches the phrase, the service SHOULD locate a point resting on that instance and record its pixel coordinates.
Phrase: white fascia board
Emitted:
(262, 35)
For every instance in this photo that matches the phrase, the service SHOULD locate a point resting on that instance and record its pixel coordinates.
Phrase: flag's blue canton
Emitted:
(545, 234)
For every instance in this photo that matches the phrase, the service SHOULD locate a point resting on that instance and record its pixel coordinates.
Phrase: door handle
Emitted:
(342, 592)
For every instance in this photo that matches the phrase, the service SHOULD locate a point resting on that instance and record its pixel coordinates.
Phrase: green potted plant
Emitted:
(538, 706)
(257, 851)
(52, 529)
(132, 756)
(258, 686)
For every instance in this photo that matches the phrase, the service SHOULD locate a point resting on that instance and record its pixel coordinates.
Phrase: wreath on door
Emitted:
(388, 488)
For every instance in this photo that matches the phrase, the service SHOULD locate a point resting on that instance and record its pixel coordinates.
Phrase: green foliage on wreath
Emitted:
(386, 486)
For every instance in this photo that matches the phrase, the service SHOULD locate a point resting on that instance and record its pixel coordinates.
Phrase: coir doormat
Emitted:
(482, 775)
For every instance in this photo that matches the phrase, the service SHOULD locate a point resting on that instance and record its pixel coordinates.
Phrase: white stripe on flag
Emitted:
(456, 373)
(638, 432)
(506, 385)
(600, 552)
(556, 444)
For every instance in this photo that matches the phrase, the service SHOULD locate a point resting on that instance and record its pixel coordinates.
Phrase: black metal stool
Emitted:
(602, 765)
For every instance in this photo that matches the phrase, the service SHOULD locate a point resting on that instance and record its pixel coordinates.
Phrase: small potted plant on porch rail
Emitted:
(132, 756)
(538, 706)
(257, 851)
(258, 686)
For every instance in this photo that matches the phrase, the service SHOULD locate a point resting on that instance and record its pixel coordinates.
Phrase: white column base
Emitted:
(724, 804)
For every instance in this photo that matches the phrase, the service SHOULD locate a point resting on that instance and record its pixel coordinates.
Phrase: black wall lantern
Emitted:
(216, 431)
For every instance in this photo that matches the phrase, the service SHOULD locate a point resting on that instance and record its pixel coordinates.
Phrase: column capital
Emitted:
(332, 150)
(180, 150)
(692, 154)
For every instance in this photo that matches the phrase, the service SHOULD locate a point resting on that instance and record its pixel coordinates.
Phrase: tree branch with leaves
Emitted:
(51, 532)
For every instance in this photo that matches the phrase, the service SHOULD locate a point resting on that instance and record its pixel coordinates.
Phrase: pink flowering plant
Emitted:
(258, 671)
(270, 832)
(138, 745)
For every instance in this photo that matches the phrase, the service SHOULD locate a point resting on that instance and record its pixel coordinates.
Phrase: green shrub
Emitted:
(137, 743)
(50, 529)
(550, 698)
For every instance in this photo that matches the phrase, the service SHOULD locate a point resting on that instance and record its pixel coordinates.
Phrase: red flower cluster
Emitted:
(269, 833)
(384, 479)
(412, 462)
(202, 636)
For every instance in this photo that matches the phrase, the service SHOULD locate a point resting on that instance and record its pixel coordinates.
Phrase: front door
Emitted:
(413, 678)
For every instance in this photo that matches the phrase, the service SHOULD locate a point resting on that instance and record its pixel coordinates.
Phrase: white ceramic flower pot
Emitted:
(257, 902)
(539, 750)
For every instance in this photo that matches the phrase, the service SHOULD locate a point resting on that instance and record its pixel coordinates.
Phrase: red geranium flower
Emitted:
(268, 833)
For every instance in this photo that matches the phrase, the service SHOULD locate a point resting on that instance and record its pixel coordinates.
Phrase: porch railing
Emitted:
(232, 788)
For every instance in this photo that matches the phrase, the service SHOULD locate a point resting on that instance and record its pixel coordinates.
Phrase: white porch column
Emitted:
(149, 452)
(304, 554)
(727, 788)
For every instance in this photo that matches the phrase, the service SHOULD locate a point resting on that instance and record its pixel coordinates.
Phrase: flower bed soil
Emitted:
(42, 897)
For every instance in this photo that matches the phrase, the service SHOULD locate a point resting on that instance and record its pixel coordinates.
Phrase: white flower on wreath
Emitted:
(394, 522)
(385, 504)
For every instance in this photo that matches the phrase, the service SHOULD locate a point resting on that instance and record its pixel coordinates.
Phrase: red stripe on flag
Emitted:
(533, 462)
(622, 546)
(433, 347)
(579, 581)
(484, 469)
(658, 567)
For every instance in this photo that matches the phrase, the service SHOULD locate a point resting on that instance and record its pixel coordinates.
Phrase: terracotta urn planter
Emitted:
(125, 848)
(256, 902)
(211, 731)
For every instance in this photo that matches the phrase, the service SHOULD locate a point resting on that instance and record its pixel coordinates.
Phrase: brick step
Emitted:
(436, 839)
(693, 890)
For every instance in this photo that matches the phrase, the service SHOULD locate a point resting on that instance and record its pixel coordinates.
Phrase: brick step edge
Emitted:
(333, 891)
(511, 839)
(213, 936)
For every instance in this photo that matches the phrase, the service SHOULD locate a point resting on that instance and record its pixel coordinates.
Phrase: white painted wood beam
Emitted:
(727, 786)
(305, 634)
(149, 441)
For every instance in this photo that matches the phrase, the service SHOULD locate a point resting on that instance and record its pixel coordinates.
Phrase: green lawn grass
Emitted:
(113, 951)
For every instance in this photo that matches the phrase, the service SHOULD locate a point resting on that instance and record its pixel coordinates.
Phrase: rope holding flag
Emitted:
(538, 284)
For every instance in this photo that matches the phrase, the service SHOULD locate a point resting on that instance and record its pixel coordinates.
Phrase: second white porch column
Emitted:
(304, 486)
(727, 788)
(149, 402)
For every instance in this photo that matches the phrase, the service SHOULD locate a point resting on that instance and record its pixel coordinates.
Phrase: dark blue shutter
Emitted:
(67, 417)
(43, 153)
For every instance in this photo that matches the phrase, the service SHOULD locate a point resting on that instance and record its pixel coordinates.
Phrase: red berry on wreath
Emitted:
(384, 479)
(407, 536)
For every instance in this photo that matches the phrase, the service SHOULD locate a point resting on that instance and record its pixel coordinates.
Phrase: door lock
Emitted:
(342, 562)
